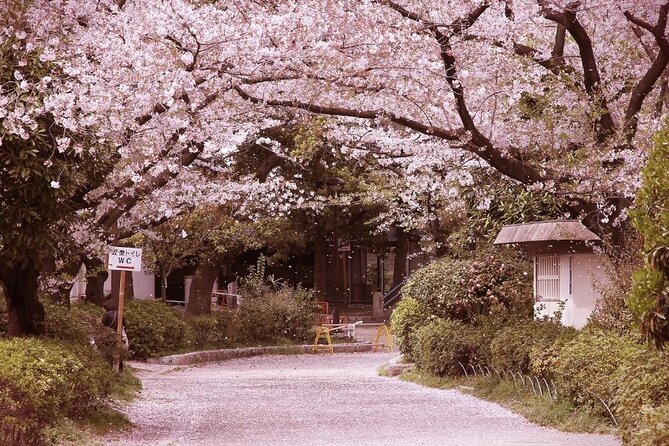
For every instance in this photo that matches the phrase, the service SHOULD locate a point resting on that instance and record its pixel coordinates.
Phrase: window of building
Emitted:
(547, 277)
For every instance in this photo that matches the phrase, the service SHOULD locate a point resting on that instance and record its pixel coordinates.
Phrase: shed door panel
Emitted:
(565, 276)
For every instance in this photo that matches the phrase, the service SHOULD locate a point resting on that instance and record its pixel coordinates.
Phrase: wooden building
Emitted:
(569, 270)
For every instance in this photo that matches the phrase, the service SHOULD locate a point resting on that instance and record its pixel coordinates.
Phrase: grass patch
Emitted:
(126, 386)
(560, 414)
(101, 419)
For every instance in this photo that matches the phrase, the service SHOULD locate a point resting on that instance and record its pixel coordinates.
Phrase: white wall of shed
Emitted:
(588, 277)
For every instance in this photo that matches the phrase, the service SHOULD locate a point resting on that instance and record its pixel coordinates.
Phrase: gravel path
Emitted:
(317, 400)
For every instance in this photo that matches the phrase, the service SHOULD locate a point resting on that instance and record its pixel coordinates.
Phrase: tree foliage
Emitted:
(145, 105)
(649, 299)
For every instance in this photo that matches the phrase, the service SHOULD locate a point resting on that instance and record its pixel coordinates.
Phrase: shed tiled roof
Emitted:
(545, 231)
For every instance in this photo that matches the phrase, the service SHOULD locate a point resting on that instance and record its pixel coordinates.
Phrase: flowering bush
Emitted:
(498, 282)
(494, 282)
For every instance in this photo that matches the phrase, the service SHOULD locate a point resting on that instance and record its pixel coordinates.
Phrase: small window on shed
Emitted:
(547, 277)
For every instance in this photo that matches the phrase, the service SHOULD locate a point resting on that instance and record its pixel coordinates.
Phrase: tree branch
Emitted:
(187, 157)
(507, 165)
(556, 64)
(558, 48)
(451, 135)
(604, 125)
(169, 145)
(654, 72)
(464, 23)
(127, 202)
(446, 54)
(405, 13)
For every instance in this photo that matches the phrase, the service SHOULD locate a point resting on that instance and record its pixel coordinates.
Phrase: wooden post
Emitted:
(119, 324)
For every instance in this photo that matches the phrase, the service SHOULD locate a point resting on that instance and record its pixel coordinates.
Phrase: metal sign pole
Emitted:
(119, 323)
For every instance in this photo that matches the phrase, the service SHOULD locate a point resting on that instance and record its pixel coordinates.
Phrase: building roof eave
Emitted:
(545, 231)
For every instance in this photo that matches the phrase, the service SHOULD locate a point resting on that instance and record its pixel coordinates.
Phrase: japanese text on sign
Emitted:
(122, 258)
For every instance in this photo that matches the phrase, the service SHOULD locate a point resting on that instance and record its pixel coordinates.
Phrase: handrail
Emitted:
(394, 294)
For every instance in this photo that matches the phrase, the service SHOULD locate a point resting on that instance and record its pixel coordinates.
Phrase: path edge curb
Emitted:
(234, 353)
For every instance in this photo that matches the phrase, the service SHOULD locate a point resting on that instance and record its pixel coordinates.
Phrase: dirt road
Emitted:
(318, 400)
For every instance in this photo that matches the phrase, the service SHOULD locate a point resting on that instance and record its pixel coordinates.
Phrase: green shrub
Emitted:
(67, 324)
(642, 399)
(435, 286)
(226, 329)
(408, 316)
(649, 302)
(650, 299)
(651, 429)
(588, 366)
(544, 360)
(203, 328)
(283, 314)
(513, 345)
(443, 344)
(494, 282)
(80, 324)
(651, 213)
(486, 330)
(153, 328)
(44, 380)
(611, 312)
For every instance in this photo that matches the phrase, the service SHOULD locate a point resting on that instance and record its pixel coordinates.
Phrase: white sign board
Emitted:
(125, 259)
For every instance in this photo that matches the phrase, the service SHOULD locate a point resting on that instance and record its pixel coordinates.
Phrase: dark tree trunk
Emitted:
(25, 312)
(440, 238)
(320, 261)
(96, 276)
(199, 297)
(129, 287)
(401, 253)
(163, 284)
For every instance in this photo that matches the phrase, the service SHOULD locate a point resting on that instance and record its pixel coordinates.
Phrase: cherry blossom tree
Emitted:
(45, 167)
(560, 96)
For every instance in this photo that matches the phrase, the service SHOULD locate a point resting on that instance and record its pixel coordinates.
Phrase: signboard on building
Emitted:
(125, 259)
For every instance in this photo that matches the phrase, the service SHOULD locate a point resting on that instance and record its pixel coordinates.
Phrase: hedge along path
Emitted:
(234, 353)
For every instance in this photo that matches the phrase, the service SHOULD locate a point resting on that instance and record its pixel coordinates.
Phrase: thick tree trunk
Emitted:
(320, 262)
(401, 253)
(199, 297)
(25, 312)
(96, 276)
(163, 284)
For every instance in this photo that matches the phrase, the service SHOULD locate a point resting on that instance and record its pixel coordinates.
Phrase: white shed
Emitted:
(568, 273)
